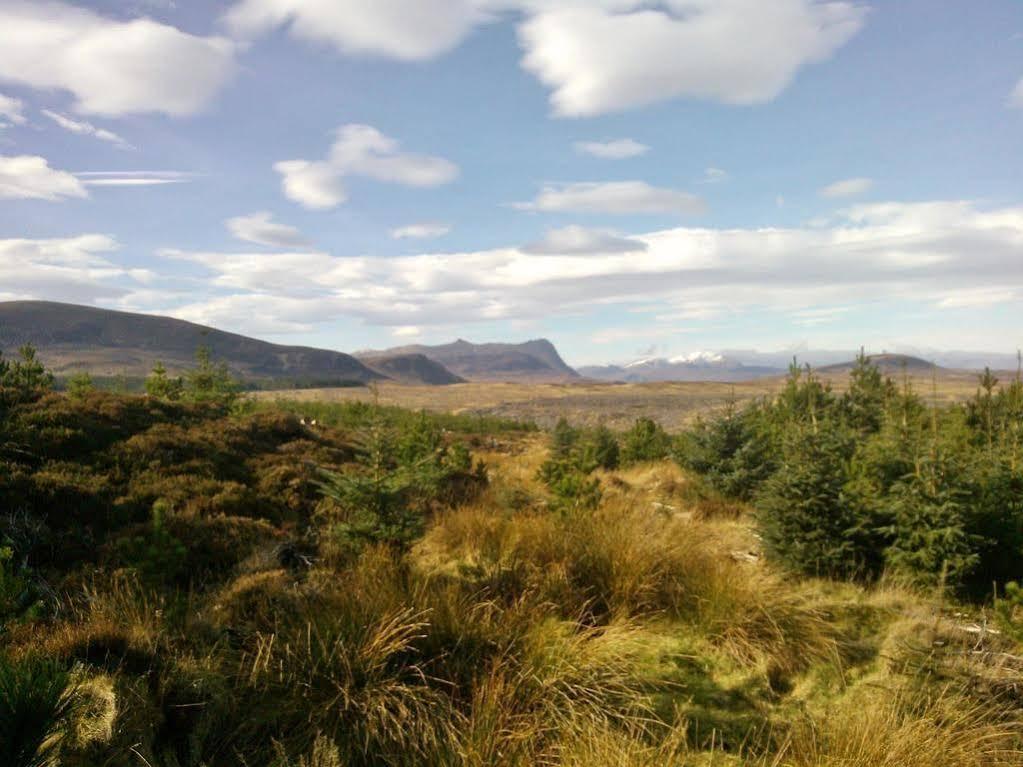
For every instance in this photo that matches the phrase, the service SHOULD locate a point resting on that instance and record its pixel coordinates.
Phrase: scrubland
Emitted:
(207, 581)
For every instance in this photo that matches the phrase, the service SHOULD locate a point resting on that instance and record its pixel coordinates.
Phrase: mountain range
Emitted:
(107, 343)
(698, 366)
(534, 361)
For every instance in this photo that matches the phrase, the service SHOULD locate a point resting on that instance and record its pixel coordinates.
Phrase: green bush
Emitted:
(572, 489)
(645, 441)
(385, 498)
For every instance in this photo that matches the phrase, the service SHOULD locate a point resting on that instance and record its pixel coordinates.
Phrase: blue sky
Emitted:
(623, 177)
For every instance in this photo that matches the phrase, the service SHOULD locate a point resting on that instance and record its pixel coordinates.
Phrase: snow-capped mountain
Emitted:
(694, 366)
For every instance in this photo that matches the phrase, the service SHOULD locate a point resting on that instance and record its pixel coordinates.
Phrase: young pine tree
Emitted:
(162, 386)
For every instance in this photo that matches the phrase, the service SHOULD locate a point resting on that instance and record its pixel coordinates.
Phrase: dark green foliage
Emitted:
(807, 520)
(563, 439)
(599, 449)
(575, 455)
(209, 381)
(386, 498)
(864, 403)
(156, 554)
(730, 451)
(37, 701)
(645, 441)
(20, 597)
(23, 379)
(875, 479)
(571, 487)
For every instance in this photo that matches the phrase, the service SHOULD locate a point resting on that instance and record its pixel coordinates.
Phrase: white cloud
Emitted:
(621, 149)
(927, 253)
(1016, 97)
(12, 109)
(420, 231)
(72, 269)
(26, 177)
(578, 240)
(87, 129)
(111, 67)
(134, 177)
(401, 29)
(261, 229)
(714, 176)
(359, 150)
(406, 331)
(731, 51)
(977, 297)
(614, 197)
(850, 187)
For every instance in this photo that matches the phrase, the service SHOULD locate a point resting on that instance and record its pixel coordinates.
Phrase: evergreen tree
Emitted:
(162, 386)
(80, 385)
(645, 441)
(209, 381)
(865, 401)
(807, 520)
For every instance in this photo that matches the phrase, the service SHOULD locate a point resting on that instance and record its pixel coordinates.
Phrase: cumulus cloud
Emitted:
(943, 254)
(359, 150)
(84, 128)
(73, 269)
(622, 149)
(578, 240)
(597, 60)
(401, 29)
(111, 67)
(261, 229)
(420, 231)
(28, 177)
(597, 56)
(12, 109)
(850, 187)
(613, 197)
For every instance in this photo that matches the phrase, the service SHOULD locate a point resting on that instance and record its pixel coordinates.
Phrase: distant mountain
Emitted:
(533, 361)
(411, 369)
(72, 338)
(889, 364)
(698, 366)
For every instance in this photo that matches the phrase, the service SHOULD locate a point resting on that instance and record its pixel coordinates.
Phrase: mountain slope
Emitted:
(533, 361)
(70, 338)
(888, 364)
(411, 369)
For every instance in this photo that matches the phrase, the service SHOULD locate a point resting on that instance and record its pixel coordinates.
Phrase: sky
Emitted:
(625, 178)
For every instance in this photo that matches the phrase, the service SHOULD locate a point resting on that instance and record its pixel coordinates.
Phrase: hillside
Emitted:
(889, 364)
(411, 369)
(72, 338)
(533, 361)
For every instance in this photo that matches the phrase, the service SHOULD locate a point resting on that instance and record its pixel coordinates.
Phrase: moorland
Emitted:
(810, 576)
